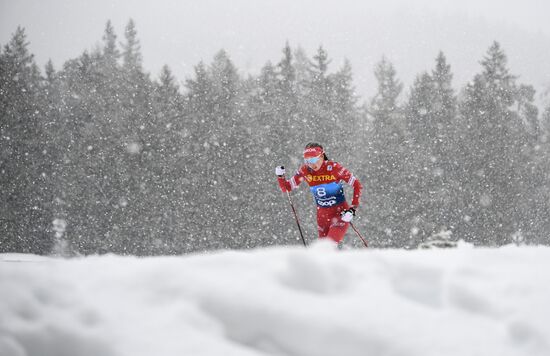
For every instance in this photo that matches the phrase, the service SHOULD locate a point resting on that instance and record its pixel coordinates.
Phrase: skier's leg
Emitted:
(323, 222)
(338, 228)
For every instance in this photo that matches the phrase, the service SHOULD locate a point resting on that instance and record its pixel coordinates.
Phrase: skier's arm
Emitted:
(349, 178)
(292, 183)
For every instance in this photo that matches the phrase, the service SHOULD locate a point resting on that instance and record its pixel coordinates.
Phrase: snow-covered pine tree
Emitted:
(493, 135)
(431, 116)
(386, 150)
(25, 196)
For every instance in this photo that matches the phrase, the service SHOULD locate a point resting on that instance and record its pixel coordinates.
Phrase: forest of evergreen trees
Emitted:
(98, 157)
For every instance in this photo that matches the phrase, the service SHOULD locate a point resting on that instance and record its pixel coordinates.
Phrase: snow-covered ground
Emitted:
(279, 301)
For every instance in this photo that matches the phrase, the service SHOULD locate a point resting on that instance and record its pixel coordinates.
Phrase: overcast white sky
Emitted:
(180, 33)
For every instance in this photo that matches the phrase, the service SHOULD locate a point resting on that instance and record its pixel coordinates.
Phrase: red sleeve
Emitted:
(292, 183)
(349, 178)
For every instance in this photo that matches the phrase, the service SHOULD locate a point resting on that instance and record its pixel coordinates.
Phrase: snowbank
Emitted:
(281, 301)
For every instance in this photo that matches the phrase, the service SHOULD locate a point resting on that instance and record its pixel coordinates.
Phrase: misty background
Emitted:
(410, 34)
(154, 129)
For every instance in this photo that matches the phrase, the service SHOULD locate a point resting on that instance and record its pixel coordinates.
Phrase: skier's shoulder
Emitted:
(303, 170)
(333, 166)
(337, 168)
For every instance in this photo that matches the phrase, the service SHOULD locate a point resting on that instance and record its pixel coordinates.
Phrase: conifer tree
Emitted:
(286, 102)
(386, 154)
(131, 53)
(320, 87)
(24, 213)
(221, 137)
(55, 147)
(493, 165)
(431, 116)
(169, 171)
(318, 100)
(344, 111)
(111, 54)
(422, 168)
(287, 74)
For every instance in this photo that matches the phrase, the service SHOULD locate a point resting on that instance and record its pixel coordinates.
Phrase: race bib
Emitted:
(329, 194)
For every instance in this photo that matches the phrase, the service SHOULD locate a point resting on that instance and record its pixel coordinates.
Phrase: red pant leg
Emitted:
(330, 224)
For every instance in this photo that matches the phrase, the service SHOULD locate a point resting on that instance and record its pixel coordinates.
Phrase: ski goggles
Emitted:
(312, 160)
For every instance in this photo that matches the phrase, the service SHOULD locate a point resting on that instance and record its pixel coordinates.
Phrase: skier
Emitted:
(324, 179)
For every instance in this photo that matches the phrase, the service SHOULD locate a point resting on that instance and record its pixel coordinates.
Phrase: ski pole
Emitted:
(296, 218)
(358, 234)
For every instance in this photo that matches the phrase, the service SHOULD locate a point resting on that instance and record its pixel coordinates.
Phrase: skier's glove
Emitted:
(280, 171)
(347, 215)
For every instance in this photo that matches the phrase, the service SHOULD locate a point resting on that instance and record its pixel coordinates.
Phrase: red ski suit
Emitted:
(326, 186)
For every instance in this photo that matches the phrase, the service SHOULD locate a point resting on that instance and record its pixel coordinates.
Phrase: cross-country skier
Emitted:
(324, 178)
